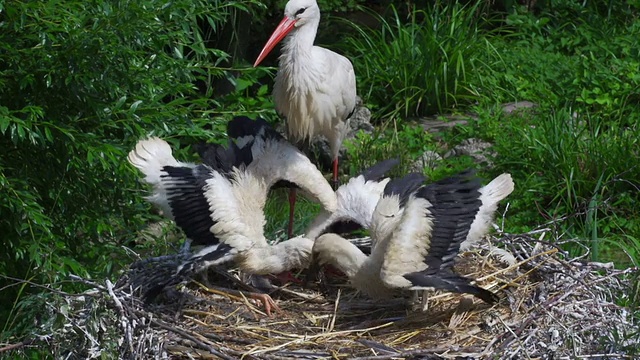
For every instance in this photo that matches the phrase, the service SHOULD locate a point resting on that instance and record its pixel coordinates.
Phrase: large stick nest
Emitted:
(552, 307)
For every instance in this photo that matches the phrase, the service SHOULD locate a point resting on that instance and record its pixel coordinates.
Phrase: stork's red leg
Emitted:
(335, 173)
(292, 206)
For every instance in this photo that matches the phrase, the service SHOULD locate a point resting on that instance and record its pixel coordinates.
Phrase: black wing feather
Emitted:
(404, 186)
(242, 126)
(379, 170)
(452, 282)
(455, 202)
(193, 264)
(190, 208)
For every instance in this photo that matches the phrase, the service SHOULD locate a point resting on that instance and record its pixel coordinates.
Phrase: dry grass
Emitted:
(551, 307)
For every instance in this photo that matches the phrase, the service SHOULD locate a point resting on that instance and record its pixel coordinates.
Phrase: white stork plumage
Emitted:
(417, 231)
(219, 204)
(315, 88)
(357, 200)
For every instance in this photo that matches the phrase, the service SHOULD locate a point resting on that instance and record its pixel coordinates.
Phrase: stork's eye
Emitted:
(300, 11)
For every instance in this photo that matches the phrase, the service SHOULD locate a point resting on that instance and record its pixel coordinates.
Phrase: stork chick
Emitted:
(417, 230)
(220, 206)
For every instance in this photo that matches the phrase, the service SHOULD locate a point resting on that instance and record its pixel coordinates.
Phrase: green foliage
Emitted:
(326, 6)
(571, 165)
(81, 82)
(405, 142)
(574, 156)
(419, 66)
(565, 57)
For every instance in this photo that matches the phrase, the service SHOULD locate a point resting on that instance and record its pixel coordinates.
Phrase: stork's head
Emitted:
(391, 206)
(297, 13)
(302, 11)
(387, 216)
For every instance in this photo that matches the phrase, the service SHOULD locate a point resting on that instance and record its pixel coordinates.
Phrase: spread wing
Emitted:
(217, 205)
(357, 200)
(436, 220)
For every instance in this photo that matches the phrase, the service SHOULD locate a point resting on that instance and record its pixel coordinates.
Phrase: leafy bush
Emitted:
(418, 67)
(81, 83)
(402, 141)
(565, 56)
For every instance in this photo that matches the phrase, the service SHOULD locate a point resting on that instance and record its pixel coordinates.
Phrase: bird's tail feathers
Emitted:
(450, 281)
(490, 195)
(213, 255)
(498, 189)
(150, 156)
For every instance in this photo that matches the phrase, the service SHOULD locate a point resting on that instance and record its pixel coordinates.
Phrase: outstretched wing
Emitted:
(276, 161)
(422, 248)
(222, 158)
(244, 131)
(150, 156)
(195, 196)
(491, 194)
(357, 200)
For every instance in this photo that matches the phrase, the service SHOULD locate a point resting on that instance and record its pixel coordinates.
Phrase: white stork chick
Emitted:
(220, 206)
(417, 231)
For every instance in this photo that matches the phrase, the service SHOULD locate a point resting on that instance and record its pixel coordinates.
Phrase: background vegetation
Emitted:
(81, 82)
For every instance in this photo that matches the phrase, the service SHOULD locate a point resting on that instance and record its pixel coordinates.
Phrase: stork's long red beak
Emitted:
(279, 33)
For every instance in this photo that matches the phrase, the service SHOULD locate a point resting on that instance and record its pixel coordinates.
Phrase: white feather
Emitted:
(150, 156)
(315, 88)
(491, 194)
(356, 200)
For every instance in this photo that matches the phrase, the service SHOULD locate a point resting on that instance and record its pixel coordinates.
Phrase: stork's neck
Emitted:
(299, 43)
(286, 255)
(282, 161)
(340, 253)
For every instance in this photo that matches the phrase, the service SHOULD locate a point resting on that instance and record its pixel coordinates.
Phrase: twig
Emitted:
(433, 353)
(87, 282)
(192, 338)
(17, 345)
(332, 322)
(124, 323)
(23, 281)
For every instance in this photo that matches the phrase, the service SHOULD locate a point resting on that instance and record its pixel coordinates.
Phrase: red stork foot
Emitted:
(267, 302)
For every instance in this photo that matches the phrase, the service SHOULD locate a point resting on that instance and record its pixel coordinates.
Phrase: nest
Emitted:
(551, 307)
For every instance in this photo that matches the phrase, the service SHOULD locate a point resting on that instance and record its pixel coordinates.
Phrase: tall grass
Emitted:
(580, 165)
(417, 66)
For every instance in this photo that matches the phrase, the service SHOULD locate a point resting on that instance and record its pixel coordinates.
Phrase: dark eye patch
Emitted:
(300, 11)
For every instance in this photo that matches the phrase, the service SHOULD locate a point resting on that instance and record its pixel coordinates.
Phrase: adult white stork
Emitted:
(417, 231)
(219, 205)
(315, 88)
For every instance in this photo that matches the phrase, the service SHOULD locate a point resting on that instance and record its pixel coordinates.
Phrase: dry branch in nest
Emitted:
(552, 307)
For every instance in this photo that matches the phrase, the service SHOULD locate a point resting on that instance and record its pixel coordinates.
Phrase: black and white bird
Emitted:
(417, 230)
(219, 204)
